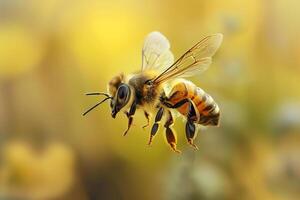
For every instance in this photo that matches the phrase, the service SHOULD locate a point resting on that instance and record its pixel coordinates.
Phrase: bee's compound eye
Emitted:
(122, 92)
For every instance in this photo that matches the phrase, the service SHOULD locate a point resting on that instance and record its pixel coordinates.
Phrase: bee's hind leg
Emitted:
(155, 126)
(190, 128)
(129, 116)
(170, 134)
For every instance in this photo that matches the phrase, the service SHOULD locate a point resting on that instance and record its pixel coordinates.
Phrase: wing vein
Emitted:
(197, 59)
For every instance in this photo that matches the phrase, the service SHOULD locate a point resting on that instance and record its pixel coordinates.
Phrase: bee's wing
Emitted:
(156, 52)
(194, 61)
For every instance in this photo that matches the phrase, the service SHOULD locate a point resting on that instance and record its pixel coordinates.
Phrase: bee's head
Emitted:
(119, 93)
(121, 99)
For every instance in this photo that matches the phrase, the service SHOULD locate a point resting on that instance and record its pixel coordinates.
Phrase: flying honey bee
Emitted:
(159, 88)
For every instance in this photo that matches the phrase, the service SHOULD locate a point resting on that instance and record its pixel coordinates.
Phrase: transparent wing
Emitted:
(156, 52)
(194, 61)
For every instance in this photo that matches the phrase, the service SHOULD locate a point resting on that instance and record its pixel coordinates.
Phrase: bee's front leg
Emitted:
(129, 116)
(154, 129)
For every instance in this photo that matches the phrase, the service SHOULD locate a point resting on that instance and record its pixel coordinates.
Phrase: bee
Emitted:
(159, 88)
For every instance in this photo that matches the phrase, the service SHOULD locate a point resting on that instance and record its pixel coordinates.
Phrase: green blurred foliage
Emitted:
(52, 52)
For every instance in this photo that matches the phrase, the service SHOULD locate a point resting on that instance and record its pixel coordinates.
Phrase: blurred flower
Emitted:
(196, 178)
(27, 173)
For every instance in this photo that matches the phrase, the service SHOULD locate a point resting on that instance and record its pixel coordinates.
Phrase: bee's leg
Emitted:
(147, 117)
(154, 129)
(177, 105)
(129, 116)
(190, 128)
(170, 134)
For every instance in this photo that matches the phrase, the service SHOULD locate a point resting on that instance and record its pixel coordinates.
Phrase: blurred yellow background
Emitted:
(52, 52)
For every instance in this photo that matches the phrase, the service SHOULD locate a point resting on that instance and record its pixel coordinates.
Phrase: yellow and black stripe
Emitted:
(208, 112)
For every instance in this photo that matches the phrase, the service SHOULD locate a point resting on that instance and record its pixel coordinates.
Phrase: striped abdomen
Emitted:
(208, 112)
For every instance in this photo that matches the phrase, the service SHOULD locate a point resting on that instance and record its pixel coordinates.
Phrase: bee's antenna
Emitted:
(97, 93)
(86, 112)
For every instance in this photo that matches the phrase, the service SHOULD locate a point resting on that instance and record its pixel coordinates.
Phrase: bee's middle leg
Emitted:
(147, 117)
(170, 134)
(154, 129)
(129, 116)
